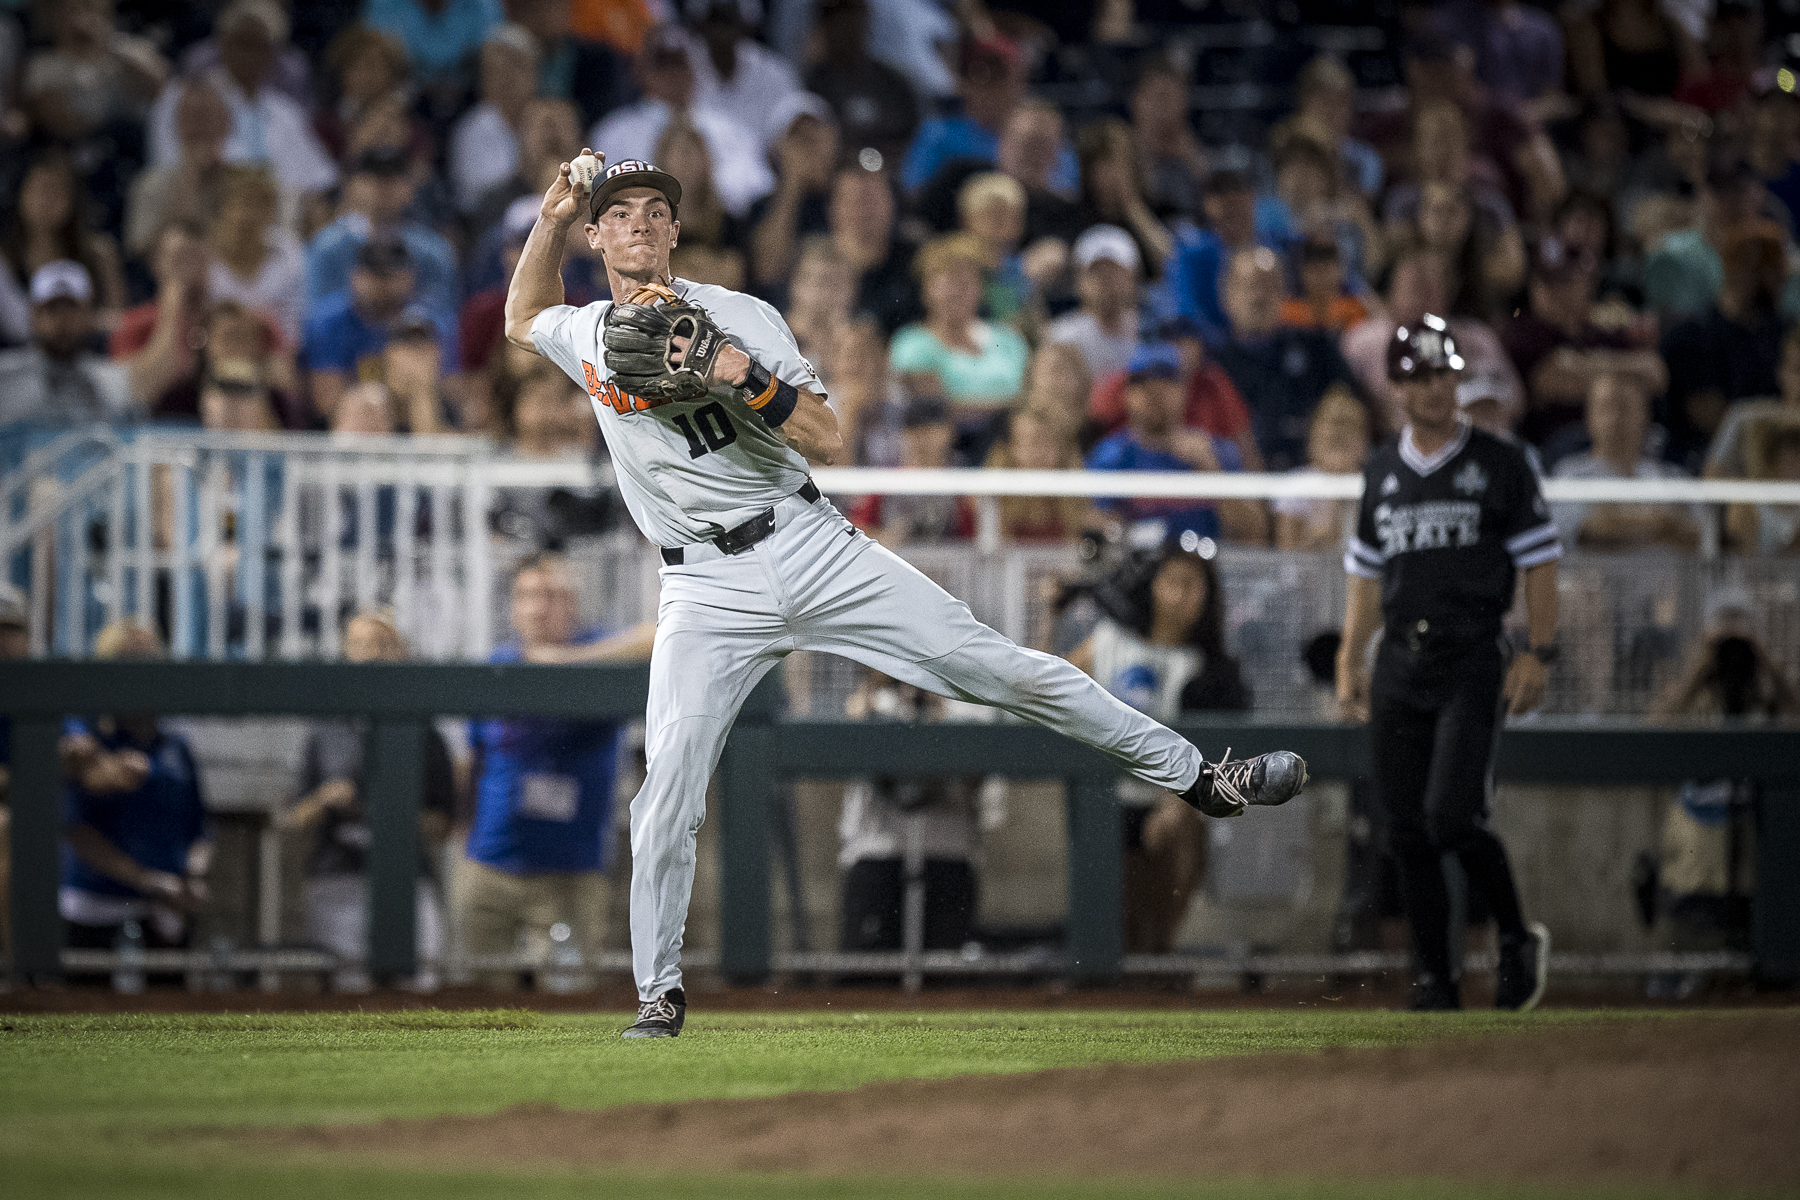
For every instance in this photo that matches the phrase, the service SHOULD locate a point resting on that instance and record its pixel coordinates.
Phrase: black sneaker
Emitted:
(1226, 788)
(1429, 993)
(1524, 969)
(661, 1017)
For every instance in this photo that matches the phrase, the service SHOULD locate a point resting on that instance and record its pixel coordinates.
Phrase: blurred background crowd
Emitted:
(1166, 235)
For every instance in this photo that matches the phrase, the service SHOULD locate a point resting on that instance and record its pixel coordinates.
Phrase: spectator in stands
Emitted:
(666, 75)
(57, 379)
(330, 809)
(926, 438)
(1635, 44)
(1441, 153)
(484, 145)
(1213, 403)
(1484, 257)
(1034, 441)
(1518, 49)
(1280, 372)
(1772, 148)
(1057, 389)
(545, 416)
(712, 240)
(991, 209)
(189, 188)
(1618, 422)
(1105, 327)
(1160, 647)
(822, 314)
(234, 396)
(1325, 106)
(1560, 352)
(949, 812)
(735, 73)
(572, 66)
(267, 125)
(806, 156)
(1112, 191)
(255, 260)
(1154, 439)
(1600, 159)
(1731, 351)
(1169, 155)
(440, 36)
(366, 408)
(50, 223)
(977, 367)
(1416, 287)
(1306, 187)
(368, 67)
(348, 335)
(1685, 270)
(134, 824)
(380, 189)
(864, 231)
(1032, 143)
(991, 82)
(1198, 277)
(1735, 56)
(876, 106)
(1725, 457)
(1337, 443)
(1322, 303)
(91, 75)
(1771, 452)
(542, 835)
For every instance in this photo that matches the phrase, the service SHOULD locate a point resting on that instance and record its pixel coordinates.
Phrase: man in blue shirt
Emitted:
(347, 335)
(1236, 220)
(991, 85)
(378, 197)
(542, 834)
(1154, 439)
(136, 846)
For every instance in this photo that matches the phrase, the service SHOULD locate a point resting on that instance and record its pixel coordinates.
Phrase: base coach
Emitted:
(1449, 516)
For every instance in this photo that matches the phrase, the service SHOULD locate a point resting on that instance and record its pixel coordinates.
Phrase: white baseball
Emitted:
(584, 170)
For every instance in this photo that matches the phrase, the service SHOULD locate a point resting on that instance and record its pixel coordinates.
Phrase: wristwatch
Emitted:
(1548, 653)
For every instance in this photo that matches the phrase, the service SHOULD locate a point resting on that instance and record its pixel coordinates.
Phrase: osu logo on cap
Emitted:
(628, 164)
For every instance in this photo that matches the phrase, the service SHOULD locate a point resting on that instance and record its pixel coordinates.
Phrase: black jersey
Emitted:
(1447, 534)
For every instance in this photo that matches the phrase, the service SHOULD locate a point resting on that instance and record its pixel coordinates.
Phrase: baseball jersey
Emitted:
(689, 471)
(1447, 533)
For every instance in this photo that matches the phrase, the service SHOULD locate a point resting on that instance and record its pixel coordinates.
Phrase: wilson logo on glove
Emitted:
(639, 339)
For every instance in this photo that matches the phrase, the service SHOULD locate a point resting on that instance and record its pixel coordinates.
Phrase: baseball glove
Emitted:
(639, 340)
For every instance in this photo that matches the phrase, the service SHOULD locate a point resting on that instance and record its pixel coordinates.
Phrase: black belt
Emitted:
(1418, 634)
(736, 541)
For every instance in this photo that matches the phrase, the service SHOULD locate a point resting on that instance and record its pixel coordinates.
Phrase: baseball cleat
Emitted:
(1226, 788)
(1524, 969)
(659, 1018)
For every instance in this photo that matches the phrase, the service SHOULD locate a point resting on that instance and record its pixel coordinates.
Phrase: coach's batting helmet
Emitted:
(1422, 348)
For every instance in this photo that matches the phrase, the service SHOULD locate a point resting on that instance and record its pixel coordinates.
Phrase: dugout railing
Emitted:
(399, 699)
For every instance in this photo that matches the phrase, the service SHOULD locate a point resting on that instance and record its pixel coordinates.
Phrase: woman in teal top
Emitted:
(978, 367)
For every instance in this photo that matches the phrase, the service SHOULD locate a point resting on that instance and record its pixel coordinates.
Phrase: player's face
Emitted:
(1429, 399)
(635, 232)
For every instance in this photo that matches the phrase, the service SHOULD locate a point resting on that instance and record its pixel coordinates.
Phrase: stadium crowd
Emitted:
(1003, 237)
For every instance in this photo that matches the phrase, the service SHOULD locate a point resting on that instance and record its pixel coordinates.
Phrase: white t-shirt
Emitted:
(688, 471)
(1104, 352)
(1149, 678)
(484, 151)
(269, 127)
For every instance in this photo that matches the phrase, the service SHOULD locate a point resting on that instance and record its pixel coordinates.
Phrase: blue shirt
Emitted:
(155, 826)
(1199, 266)
(941, 139)
(437, 45)
(543, 800)
(337, 339)
(1123, 452)
(332, 253)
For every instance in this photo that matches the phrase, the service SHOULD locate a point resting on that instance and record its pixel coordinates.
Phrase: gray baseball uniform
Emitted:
(692, 471)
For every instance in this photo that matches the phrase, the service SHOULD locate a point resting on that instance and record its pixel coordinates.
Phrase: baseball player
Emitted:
(711, 416)
(1449, 516)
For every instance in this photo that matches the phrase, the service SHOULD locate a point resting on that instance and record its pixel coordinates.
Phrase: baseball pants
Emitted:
(1434, 723)
(817, 583)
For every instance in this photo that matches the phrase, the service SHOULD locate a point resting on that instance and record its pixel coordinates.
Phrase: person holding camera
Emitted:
(1450, 515)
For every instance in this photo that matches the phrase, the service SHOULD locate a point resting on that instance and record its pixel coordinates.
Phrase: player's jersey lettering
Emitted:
(711, 429)
(610, 394)
(1431, 525)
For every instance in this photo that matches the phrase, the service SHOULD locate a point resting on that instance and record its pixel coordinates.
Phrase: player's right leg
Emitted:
(712, 646)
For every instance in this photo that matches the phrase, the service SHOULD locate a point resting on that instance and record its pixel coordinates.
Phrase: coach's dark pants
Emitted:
(1435, 709)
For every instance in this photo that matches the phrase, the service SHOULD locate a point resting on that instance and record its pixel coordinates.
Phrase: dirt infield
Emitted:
(1707, 1100)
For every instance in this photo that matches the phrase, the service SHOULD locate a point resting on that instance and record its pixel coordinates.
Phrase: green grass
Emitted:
(87, 1103)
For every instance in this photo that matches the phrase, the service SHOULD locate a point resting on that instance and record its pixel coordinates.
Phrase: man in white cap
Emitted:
(58, 379)
(1105, 327)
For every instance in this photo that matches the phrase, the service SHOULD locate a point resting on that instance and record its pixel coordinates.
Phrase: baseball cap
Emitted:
(64, 279)
(1484, 385)
(1110, 243)
(13, 610)
(382, 160)
(1154, 360)
(1425, 346)
(631, 173)
(384, 255)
